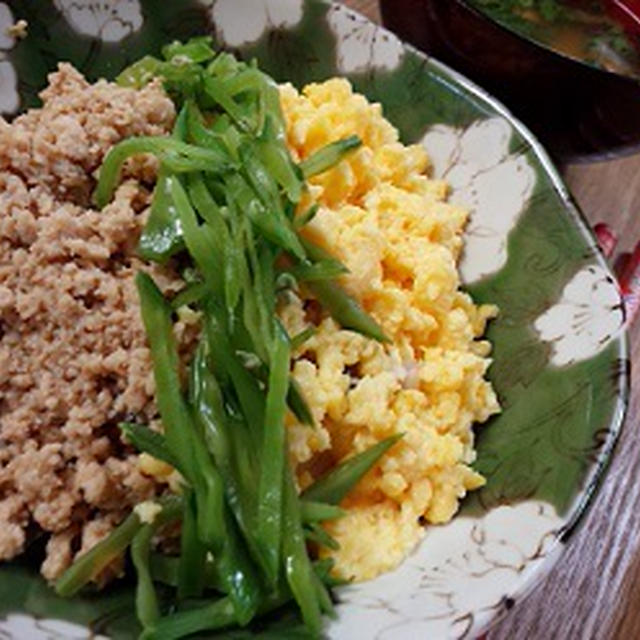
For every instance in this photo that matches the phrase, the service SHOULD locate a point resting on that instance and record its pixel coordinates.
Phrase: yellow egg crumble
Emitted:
(392, 226)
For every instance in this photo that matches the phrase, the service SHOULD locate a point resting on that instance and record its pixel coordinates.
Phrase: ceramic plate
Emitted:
(560, 351)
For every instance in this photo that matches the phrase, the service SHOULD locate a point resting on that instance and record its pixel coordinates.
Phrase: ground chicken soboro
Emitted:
(73, 358)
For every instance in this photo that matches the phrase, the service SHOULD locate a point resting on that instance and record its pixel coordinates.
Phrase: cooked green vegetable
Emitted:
(224, 208)
(298, 570)
(322, 270)
(148, 441)
(216, 615)
(165, 569)
(192, 293)
(176, 417)
(335, 484)
(297, 403)
(274, 454)
(89, 566)
(162, 237)
(147, 607)
(193, 552)
(346, 310)
(177, 156)
(198, 49)
(328, 156)
(319, 511)
(306, 216)
(316, 533)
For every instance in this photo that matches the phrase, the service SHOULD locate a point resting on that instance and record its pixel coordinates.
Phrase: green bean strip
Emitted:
(250, 396)
(209, 498)
(266, 259)
(192, 293)
(198, 49)
(179, 155)
(274, 108)
(217, 615)
(275, 157)
(193, 554)
(224, 64)
(311, 512)
(273, 225)
(265, 188)
(232, 261)
(139, 73)
(306, 216)
(323, 270)
(237, 573)
(265, 318)
(206, 206)
(335, 484)
(295, 397)
(235, 569)
(317, 534)
(250, 313)
(329, 156)
(222, 440)
(300, 338)
(273, 455)
(180, 429)
(148, 441)
(199, 133)
(176, 418)
(165, 569)
(298, 404)
(323, 569)
(342, 307)
(323, 597)
(204, 249)
(317, 253)
(147, 608)
(161, 237)
(346, 310)
(245, 80)
(213, 616)
(298, 569)
(181, 125)
(216, 91)
(88, 566)
(262, 182)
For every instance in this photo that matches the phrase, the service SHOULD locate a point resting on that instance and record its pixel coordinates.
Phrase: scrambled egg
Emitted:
(394, 229)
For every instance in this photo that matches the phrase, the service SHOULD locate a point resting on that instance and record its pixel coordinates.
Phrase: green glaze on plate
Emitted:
(560, 351)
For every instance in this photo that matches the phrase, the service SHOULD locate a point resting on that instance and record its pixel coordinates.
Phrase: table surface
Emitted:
(592, 593)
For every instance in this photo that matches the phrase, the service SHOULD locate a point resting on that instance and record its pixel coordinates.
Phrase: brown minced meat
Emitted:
(73, 354)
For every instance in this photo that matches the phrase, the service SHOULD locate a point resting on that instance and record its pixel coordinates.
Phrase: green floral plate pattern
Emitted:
(561, 364)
